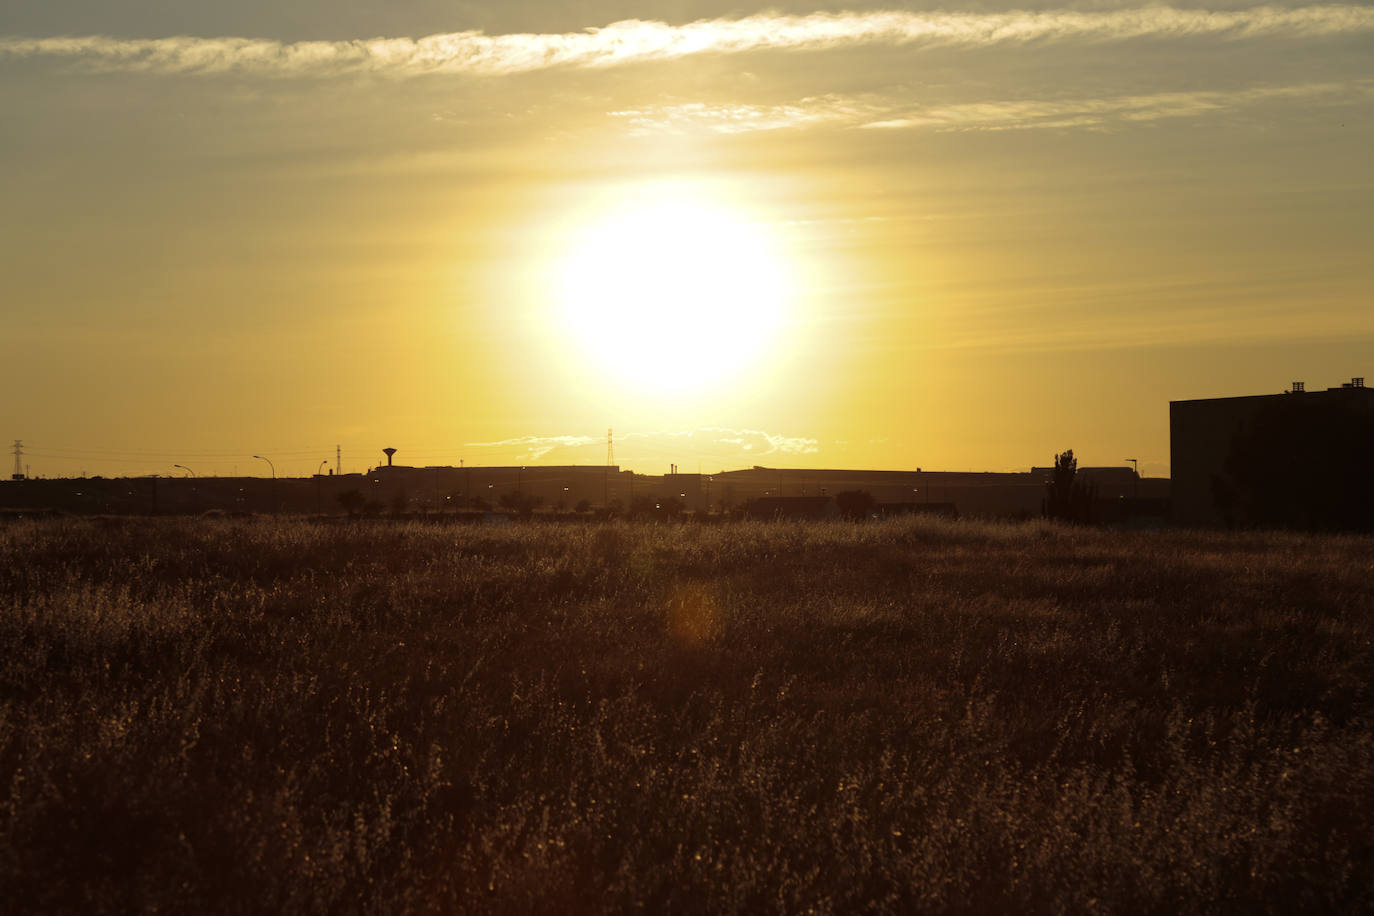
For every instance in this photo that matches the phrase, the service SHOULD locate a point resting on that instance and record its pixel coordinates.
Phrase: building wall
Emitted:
(973, 493)
(444, 489)
(1201, 435)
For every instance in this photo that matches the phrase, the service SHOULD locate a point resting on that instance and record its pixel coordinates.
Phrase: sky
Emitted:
(961, 237)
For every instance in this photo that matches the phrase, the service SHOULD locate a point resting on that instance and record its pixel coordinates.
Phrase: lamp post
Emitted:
(190, 473)
(319, 503)
(1135, 484)
(273, 467)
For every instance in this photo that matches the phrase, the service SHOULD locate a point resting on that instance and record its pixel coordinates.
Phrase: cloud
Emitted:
(1061, 113)
(706, 443)
(635, 41)
(532, 448)
(872, 113)
(724, 442)
(737, 119)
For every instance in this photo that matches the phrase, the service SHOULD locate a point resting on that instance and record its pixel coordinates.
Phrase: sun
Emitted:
(670, 291)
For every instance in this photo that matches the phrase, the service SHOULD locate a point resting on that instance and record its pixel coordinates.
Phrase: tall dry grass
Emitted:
(268, 715)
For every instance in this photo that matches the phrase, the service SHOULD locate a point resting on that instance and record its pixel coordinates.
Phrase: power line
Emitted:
(650, 446)
(120, 453)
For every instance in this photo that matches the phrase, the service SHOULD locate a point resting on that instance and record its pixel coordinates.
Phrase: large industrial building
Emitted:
(1297, 458)
(546, 489)
(1301, 459)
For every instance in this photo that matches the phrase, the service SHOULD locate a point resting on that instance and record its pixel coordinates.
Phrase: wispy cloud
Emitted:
(722, 444)
(814, 111)
(870, 112)
(634, 41)
(532, 448)
(1041, 113)
(725, 441)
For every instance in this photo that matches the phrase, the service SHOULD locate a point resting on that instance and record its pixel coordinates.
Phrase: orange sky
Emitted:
(1003, 234)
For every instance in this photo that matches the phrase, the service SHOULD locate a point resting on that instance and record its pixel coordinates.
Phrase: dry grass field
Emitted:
(291, 716)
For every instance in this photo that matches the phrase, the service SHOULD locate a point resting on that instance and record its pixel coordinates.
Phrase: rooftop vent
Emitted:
(1298, 387)
(1357, 382)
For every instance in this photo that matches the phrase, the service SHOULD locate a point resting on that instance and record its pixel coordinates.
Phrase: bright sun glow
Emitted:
(672, 292)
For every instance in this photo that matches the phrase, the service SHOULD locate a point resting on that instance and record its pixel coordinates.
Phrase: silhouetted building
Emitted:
(438, 489)
(687, 489)
(1297, 459)
(770, 508)
(560, 489)
(978, 494)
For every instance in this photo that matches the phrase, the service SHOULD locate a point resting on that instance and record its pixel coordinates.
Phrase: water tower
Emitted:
(388, 452)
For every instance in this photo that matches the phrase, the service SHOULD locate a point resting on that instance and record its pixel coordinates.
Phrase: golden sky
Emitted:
(804, 235)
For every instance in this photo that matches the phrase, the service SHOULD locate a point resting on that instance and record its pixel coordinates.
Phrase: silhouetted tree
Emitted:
(1299, 464)
(523, 503)
(1067, 497)
(351, 500)
(854, 505)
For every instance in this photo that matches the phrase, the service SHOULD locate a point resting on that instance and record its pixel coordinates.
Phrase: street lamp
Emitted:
(274, 478)
(319, 500)
(191, 474)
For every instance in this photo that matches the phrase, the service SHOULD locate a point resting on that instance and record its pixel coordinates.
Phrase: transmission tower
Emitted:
(18, 461)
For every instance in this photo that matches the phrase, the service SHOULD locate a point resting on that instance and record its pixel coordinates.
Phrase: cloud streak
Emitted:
(1039, 113)
(731, 442)
(815, 111)
(637, 41)
(532, 448)
(714, 443)
(870, 112)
